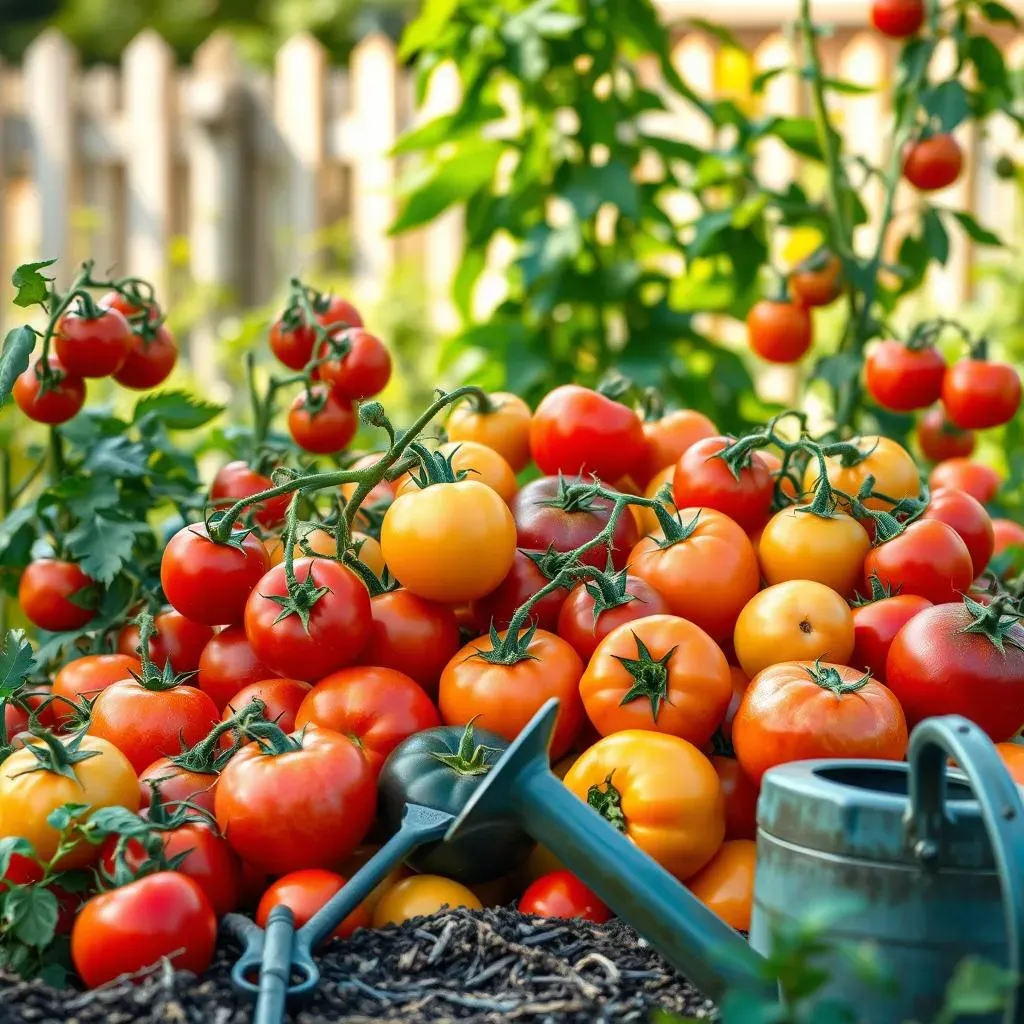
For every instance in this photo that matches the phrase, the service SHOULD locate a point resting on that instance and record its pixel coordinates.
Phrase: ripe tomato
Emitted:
(127, 929)
(646, 520)
(960, 474)
(740, 796)
(660, 791)
(700, 480)
(799, 620)
(978, 394)
(548, 514)
(178, 784)
(891, 465)
(363, 372)
(968, 518)
(283, 697)
(780, 332)
(332, 636)
(228, 663)
(936, 667)
(584, 630)
(145, 724)
(376, 707)
(150, 359)
(1006, 534)
(740, 681)
(933, 163)
(129, 307)
(317, 782)
(663, 674)
(903, 378)
(928, 559)
(45, 591)
(292, 342)
(304, 893)
(450, 542)
(939, 439)
(177, 640)
(209, 582)
(505, 429)
(92, 346)
(817, 281)
(421, 896)
(876, 624)
(478, 462)
(86, 677)
(707, 576)
(898, 18)
(524, 579)
(503, 698)
(326, 430)
(1013, 758)
(236, 480)
(668, 438)
(62, 399)
(562, 894)
(579, 431)
(800, 710)
(29, 793)
(725, 884)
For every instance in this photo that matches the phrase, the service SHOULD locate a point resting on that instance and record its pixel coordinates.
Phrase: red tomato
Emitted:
(62, 400)
(45, 591)
(319, 785)
(130, 308)
(898, 18)
(228, 663)
(93, 346)
(876, 624)
(967, 516)
(780, 332)
(178, 784)
(740, 795)
(1006, 534)
(562, 894)
(978, 394)
(127, 929)
(209, 582)
(704, 481)
(524, 579)
(818, 281)
(17, 709)
(541, 523)
(979, 481)
(150, 359)
(86, 677)
(363, 372)
(903, 378)
(236, 480)
(933, 163)
(928, 559)
(376, 707)
(939, 439)
(177, 640)
(936, 667)
(282, 697)
(578, 431)
(337, 628)
(412, 635)
(667, 439)
(326, 430)
(293, 343)
(304, 893)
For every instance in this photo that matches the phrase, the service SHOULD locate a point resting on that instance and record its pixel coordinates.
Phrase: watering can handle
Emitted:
(931, 744)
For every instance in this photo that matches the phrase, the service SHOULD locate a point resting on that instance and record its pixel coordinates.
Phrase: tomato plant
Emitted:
(362, 371)
(57, 400)
(978, 394)
(933, 163)
(93, 342)
(940, 439)
(904, 377)
(898, 18)
(321, 422)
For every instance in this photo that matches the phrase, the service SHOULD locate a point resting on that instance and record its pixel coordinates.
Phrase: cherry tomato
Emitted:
(209, 582)
(63, 398)
(740, 795)
(236, 480)
(130, 307)
(304, 893)
(292, 340)
(86, 677)
(335, 629)
(420, 896)
(875, 626)
(933, 163)
(505, 427)
(1006, 534)
(326, 429)
(579, 431)
(93, 346)
(228, 663)
(562, 894)
(898, 18)
(150, 359)
(45, 591)
(667, 439)
(363, 371)
(960, 474)
(726, 883)
(780, 332)
(818, 281)
(939, 439)
(524, 579)
(283, 697)
(127, 929)
(978, 394)
(177, 640)
(968, 518)
(928, 559)
(178, 784)
(902, 378)
(895, 472)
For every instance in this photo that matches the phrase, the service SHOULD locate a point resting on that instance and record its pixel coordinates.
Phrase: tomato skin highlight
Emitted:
(902, 378)
(933, 163)
(45, 591)
(326, 431)
(236, 480)
(967, 517)
(898, 19)
(875, 626)
(177, 640)
(928, 559)
(227, 664)
(561, 894)
(93, 347)
(977, 394)
(304, 893)
(779, 332)
(981, 482)
(939, 439)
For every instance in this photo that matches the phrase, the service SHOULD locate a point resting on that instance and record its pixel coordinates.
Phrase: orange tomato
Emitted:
(321, 542)
(817, 281)
(740, 681)
(420, 896)
(1013, 757)
(670, 436)
(794, 621)
(707, 576)
(506, 428)
(891, 465)
(646, 520)
(801, 710)
(740, 798)
(726, 883)
(660, 791)
(659, 673)
(479, 463)
(961, 474)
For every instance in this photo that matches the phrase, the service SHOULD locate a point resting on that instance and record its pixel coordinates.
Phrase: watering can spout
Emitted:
(688, 935)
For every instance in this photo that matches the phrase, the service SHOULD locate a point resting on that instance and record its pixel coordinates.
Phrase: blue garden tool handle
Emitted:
(931, 744)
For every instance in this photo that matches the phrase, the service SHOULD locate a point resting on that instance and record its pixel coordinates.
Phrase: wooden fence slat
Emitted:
(101, 183)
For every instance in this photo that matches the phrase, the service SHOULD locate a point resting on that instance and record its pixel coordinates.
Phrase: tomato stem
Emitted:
(607, 801)
(56, 754)
(650, 676)
(471, 757)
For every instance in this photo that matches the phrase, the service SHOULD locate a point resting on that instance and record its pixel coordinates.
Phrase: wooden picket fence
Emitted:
(239, 172)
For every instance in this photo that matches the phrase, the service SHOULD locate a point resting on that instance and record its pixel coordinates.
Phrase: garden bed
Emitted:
(491, 965)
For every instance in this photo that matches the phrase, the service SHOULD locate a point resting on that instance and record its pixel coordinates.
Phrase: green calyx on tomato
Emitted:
(614, 386)
(272, 739)
(434, 467)
(471, 757)
(650, 676)
(888, 525)
(573, 497)
(997, 621)
(879, 592)
(828, 678)
(152, 678)
(607, 801)
(208, 757)
(674, 529)
(608, 589)
(57, 755)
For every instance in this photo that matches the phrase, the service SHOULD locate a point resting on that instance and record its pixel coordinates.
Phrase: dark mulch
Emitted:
(485, 966)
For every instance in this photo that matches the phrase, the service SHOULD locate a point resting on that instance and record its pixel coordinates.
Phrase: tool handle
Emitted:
(931, 744)
(276, 967)
(250, 962)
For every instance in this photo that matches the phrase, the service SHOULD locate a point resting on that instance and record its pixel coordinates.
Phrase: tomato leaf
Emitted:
(11, 845)
(31, 912)
(16, 662)
(996, 13)
(947, 103)
(800, 134)
(33, 287)
(102, 545)
(63, 817)
(177, 410)
(119, 821)
(14, 357)
(977, 987)
(836, 370)
(936, 239)
(118, 456)
(975, 231)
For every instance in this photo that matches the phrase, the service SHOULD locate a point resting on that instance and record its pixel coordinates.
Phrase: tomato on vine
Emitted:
(238, 480)
(904, 377)
(57, 400)
(151, 359)
(981, 482)
(524, 579)
(779, 331)
(817, 281)
(292, 339)
(940, 439)
(875, 625)
(228, 663)
(933, 163)
(898, 19)
(502, 423)
(668, 437)
(177, 640)
(978, 394)
(54, 595)
(86, 677)
(363, 371)
(928, 559)
(967, 516)
(92, 346)
(321, 422)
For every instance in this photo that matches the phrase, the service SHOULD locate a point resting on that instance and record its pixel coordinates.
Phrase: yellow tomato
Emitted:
(479, 462)
(450, 542)
(28, 795)
(895, 472)
(506, 428)
(420, 896)
(370, 553)
(799, 620)
(798, 545)
(726, 883)
(320, 541)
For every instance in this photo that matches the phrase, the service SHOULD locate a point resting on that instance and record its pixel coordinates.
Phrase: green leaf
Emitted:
(935, 236)
(800, 134)
(63, 817)
(11, 845)
(671, 149)
(837, 370)
(996, 12)
(16, 662)
(118, 821)
(848, 88)
(723, 35)
(14, 357)
(103, 545)
(427, 27)
(33, 287)
(988, 59)
(947, 103)
(706, 231)
(762, 78)
(447, 128)
(31, 914)
(611, 183)
(977, 988)
(974, 230)
(177, 410)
